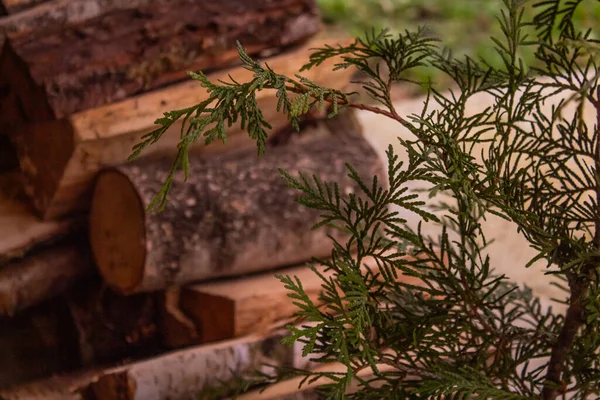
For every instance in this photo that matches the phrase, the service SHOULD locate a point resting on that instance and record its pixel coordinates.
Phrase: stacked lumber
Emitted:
(101, 298)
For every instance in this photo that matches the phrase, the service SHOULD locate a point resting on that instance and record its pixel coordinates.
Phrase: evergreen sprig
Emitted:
(463, 331)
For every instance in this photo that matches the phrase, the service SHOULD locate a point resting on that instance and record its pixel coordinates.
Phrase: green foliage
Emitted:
(464, 331)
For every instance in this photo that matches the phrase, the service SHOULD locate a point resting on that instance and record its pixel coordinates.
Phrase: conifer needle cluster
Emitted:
(466, 331)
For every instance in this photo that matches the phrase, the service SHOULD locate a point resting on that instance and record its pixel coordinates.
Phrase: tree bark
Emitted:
(60, 159)
(15, 6)
(197, 371)
(51, 74)
(21, 229)
(234, 215)
(56, 14)
(177, 375)
(42, 276)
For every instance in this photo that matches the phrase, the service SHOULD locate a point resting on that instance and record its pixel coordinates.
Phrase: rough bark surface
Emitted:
(52, 74)
(56, 14)
(198, 370)
(42, 276)
(234, 215)
(60, 159)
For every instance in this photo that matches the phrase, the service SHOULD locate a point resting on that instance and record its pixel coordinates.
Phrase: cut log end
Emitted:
(117, 230)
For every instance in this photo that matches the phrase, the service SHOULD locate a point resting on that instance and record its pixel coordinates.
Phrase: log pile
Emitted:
(102, 299)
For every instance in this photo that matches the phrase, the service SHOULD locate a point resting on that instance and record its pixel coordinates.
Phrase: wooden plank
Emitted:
(60, 159)
(229, 308)
(22, 230)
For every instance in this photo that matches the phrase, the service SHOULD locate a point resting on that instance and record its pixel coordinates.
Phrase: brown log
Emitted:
(234, 215)
(42, 276)
(51, 74)
(21, 229)
(36, 344)
(111, 328)
(60, 159)
(229, 308)
(15, 6)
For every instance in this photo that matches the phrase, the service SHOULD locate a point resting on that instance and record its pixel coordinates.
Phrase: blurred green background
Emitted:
(465, 26)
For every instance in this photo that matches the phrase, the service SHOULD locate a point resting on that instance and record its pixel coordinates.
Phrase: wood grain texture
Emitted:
(60, 159)
(50, 74)
(233, 215)
(21, 229)
(229, 308)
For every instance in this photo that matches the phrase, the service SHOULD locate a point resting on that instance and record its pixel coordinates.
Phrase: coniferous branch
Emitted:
(464, 330)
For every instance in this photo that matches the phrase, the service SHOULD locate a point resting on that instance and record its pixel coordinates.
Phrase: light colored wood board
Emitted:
(20, 228)
(60, 181)
(249, 304)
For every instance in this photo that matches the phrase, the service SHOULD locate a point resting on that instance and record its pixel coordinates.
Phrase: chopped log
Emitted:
(234, 215)
(110, 327)
(60, 159)
(197, 371)
(36, 344)
(15, 6)
(21, 229)
(51, 74)
(177, 375)
(43, 276)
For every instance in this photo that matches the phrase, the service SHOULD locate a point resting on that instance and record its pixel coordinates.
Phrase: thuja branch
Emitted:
(579, 285)
(232, 102)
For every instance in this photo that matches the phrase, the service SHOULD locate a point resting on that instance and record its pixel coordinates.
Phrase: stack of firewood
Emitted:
(102, 299)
